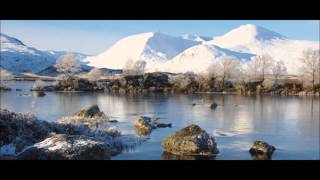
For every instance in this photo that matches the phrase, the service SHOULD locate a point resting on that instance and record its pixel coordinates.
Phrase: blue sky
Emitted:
(93, 37)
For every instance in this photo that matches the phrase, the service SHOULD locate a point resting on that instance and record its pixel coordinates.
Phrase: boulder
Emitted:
(191, 140)
(21, 129)
(66, 147)
(261, 150)
(91, 117)
(92, 111)
(213, 105)
(144, 125)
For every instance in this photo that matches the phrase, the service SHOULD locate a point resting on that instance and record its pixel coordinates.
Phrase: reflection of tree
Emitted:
(169, 156)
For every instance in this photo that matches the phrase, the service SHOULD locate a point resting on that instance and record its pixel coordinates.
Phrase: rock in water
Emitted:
(38, 93)
(91, 117)
(144, 125)
(191, 140)
(261, 150)
(4, 88)
(213, 105)
(21, 129)
(163, 125)
(66, 147)
(113, 121)
(92, 111)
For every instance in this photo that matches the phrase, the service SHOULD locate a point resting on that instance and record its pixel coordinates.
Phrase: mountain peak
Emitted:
(251, 32)
(153, 47)
(7, 39)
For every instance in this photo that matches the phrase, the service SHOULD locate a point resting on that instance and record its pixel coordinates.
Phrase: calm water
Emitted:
(291, 124)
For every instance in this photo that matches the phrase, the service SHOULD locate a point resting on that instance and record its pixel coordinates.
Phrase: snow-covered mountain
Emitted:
(258, 40)
(196, 38)
(17, 57)
(198, 58)
(167, 53)
(154, 48)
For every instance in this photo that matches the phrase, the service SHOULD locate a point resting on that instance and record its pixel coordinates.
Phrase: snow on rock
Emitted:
(67, 147)
(154, 48)
(20, 131)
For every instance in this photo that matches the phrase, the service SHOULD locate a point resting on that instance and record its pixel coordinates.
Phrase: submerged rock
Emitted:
(191, 140)
(113, 121)
(261, 150)
(38, 93)
(66, 147)
(213, 105)
(144, 125)
(163, 125)
(4, 88)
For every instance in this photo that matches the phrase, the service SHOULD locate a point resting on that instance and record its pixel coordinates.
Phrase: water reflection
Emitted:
(290, 123)
(169, 156)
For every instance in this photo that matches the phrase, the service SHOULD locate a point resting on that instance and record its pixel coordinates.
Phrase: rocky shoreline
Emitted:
(163, 83)
(23, 136)
(87, 135)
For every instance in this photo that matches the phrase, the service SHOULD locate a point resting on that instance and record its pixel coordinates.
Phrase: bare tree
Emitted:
(95, 74)
(278, 70)
(5, 75)
(214, 70)
(230, 68)
(180, 81)
(265, 63)
(253, 69)
(134, 68)
(311, 64)
(38, 84)
(139, 67)
(68, 65)
(260, 66)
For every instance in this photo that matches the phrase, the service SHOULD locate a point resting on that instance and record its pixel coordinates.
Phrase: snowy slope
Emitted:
(17, 57)
(198, 58)
(154, 48)
(254, 39)
(196, 38)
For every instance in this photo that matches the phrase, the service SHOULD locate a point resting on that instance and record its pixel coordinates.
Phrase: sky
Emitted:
(95, 36)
